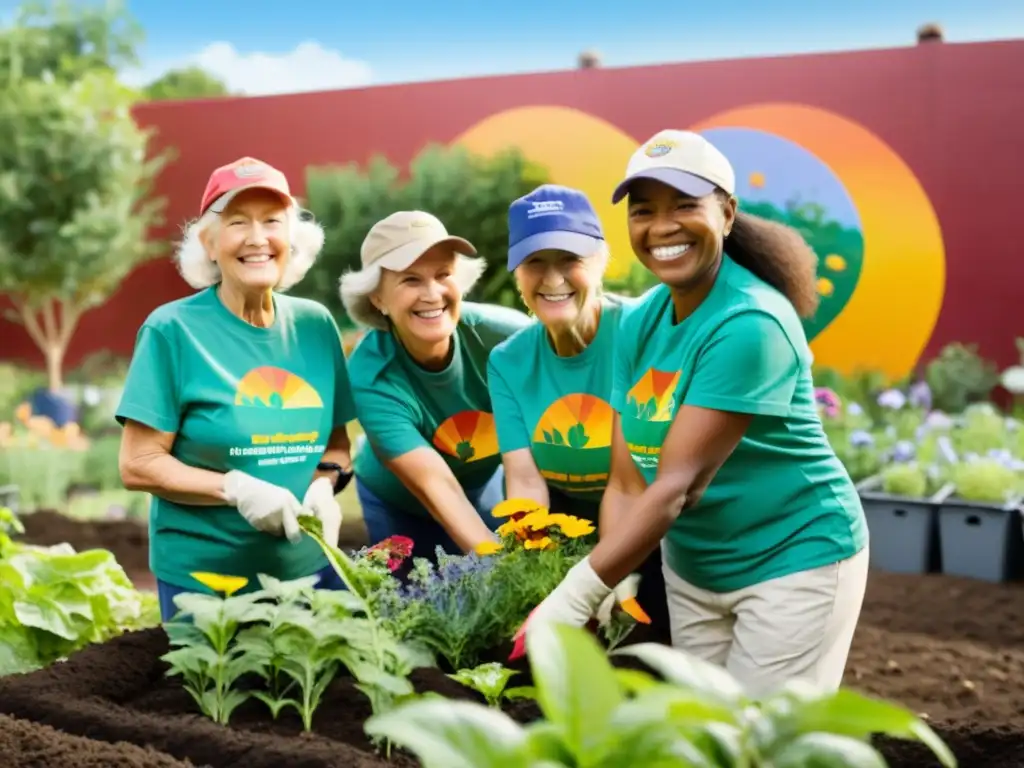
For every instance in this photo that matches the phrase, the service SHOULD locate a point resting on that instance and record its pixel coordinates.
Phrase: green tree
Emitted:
(67, 40)
(75, 202)
(187, 83)
(468, 192)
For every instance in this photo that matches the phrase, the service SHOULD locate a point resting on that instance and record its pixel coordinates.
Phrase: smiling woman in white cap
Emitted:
(237, 397)
(718, 437)
(431, 469)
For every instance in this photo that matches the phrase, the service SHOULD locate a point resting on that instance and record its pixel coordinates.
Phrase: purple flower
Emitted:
(938, 420)
(892, 399)
(861, 439)
(921, 395)
(903, 451)
(854, 409)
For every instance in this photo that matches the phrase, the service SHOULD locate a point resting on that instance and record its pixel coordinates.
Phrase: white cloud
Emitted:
(309, 67)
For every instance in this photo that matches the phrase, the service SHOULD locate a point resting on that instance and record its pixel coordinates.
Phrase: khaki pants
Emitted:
(795, 627)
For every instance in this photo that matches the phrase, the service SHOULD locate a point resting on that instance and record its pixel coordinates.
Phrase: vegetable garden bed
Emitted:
(950, 648)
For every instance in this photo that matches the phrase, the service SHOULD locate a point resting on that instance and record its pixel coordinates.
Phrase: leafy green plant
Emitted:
(959, 376)
(204, 652)
(54, 600)
(380, 661)
(490, 680)
(696, 714)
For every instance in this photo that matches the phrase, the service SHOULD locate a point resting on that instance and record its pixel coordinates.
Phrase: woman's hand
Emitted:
(321, 502)
(574, 601)
(265, 506)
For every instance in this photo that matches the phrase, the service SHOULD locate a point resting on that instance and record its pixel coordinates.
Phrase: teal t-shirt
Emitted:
(782, 502)
(559, 407)
(260, 400)
(402, 407)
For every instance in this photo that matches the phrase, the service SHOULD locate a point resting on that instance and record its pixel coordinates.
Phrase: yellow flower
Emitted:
(485, 548)
(220, 583)
(574, 527)
(507, 529)
(536, 521)
(544, 542)
(514, 507)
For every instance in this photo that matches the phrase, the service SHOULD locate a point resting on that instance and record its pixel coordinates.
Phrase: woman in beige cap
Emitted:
(431, 469)
(717, 445)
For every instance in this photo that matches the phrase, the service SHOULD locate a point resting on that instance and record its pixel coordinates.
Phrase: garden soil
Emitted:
(950, 649)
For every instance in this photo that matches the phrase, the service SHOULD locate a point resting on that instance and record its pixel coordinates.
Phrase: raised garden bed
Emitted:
(950, 648)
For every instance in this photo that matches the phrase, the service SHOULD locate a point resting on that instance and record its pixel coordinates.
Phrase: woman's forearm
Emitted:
(616, 505)
(650, 516)
(447, 503)
(164, 476)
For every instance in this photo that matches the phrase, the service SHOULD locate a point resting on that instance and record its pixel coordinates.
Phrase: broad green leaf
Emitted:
(576, 685)
(799, 709)
(634, 680)
(649, 742)
(544, 742)
(17, 651)
(675, 704)
(688, 671)
(453, 734)
(827, 750)
(46, 614)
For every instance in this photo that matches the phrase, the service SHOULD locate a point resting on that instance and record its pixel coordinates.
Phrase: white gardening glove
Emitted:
(624, 595)
(574, 601)
(266, 507)
(321, 503)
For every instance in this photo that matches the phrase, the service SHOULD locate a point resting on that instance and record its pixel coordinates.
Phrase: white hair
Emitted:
(200, 271)
(357, 287)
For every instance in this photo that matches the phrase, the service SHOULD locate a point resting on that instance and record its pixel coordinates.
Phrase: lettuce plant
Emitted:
(696, 714)
(54, 600)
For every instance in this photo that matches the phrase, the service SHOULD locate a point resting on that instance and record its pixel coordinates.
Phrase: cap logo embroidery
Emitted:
(659, 148)
(545, 208)
(248, 170)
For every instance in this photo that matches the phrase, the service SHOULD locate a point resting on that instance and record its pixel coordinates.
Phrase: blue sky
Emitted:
(270, 46)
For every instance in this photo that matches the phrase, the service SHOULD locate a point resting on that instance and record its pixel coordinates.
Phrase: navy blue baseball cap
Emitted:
(552, 217)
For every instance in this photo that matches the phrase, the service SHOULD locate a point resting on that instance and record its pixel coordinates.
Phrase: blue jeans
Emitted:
(329, 579)
(383, 520)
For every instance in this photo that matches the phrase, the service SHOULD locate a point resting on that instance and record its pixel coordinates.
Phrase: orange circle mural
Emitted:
(578, 150)
(887, 319)
(893, 310)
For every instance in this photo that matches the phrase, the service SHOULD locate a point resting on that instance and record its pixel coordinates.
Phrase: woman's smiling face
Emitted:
(677, 237)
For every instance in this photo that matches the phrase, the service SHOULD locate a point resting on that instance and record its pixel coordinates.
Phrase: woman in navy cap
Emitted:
(551, 382)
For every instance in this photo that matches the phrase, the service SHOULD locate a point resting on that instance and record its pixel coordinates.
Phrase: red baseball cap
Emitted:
(245, 173)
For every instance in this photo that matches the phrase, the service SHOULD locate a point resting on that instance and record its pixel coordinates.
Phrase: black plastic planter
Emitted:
(904, 533)
(982, 541)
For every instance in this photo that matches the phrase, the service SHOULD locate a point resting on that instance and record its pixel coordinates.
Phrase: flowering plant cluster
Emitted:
(915, 451)
(469, 605)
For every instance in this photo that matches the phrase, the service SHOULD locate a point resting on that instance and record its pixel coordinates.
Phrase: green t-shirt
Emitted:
(559, 408)
(260, 400)
(402, 407)
(782, 502)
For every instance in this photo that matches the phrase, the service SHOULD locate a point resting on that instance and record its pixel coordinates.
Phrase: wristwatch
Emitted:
(344, 475)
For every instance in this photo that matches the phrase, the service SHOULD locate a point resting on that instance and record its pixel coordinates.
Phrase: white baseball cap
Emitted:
(682, 159)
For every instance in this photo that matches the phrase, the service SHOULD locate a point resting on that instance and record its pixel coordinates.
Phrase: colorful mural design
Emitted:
(881, 254)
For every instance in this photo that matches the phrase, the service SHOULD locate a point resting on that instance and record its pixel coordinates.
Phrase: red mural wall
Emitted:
(923, 144)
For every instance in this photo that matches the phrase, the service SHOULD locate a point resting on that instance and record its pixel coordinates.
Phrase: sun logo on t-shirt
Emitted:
(271, 387)
(576, 421)
(654, 395)
(467, 436)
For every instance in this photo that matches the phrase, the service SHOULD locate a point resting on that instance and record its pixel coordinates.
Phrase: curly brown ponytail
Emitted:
(778, 255)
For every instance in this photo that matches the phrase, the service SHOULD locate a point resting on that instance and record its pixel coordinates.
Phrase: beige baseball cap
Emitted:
(397, 241)
(682, 159)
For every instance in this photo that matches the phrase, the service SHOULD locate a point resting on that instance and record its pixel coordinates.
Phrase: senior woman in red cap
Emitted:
(237, 397)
